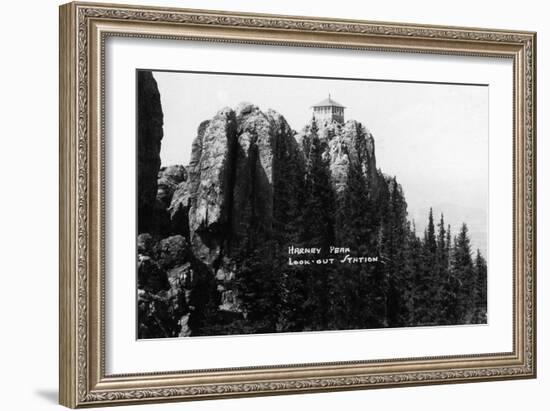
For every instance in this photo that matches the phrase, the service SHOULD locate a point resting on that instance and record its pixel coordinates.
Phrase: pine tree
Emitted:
(352, 209)
(448, 246)
(430, 242)
(395, 252)
(442, 246)
(427, 287)
(480, 289)
(288, 198)
(318, 222)
(258, 288)
(416, 268)
(346, 283)
(462, 269)
(319, 203)
(440, 274)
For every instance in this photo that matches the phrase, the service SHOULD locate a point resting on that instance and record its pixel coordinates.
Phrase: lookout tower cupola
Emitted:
(328, 110)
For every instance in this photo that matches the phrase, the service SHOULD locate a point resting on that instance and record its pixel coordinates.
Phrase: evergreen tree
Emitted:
(288, 197)
(427, 287)
(395, 252)
(416, 269)
(319, 203)
(348, 304)
(480, 265)
(318, 221)
(352, 209)
(462, 268)
(374, 277)
(258, 289)
(442, 246)
(441, 269)
(448, 246)
(430, 242)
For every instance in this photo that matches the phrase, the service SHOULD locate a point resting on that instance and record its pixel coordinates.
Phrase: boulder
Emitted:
(172, 251)
(151, 277)
(178, 211)
(168, 180)
(145, 244)
(160, 313)
(182, 276)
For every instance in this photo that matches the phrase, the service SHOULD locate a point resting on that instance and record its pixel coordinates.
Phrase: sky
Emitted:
(432, 137)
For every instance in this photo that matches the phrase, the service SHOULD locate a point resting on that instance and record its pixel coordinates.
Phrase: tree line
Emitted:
(431, 279)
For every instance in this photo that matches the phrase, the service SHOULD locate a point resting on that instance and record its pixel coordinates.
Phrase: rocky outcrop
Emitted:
(145, 244)
(168, 180)
(225, 280)
(172, 251)
(150, 276)
(243, 187)
(178, 211)
(184, 279)
(162, 314)
(228, 196)
(149, 136)
(162, 300)
(344, 144)
(252, 206)
(353, 144)
(210, 184)
(168, 277)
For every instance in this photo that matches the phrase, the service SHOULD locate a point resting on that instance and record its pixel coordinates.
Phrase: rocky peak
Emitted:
(243, 187)
(210, 176)
(344, 145)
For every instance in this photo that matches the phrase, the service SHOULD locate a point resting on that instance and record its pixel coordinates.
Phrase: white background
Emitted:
(28, 218)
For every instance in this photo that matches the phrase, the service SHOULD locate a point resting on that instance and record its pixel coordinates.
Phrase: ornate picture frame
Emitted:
(84, 31)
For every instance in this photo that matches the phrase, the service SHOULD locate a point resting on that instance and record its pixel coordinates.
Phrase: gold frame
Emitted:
(83, 30)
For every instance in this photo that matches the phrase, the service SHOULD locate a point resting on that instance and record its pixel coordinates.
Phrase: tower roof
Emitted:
(328, 102)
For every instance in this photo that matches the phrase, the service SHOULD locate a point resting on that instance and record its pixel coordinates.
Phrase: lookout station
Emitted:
(328, 110)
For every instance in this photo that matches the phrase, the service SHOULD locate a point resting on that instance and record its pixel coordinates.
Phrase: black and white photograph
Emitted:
(283, 204)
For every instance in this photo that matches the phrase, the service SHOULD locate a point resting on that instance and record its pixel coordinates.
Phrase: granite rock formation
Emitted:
(344, 144)
(149, 137)
(242, 190)
(210, 176)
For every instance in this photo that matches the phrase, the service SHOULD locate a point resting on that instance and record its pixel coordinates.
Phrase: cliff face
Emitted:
(168, 180)
(243, 190)
(344, 144)
(222, 202)
(209, 188)
(228, 195)
(149, 136)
